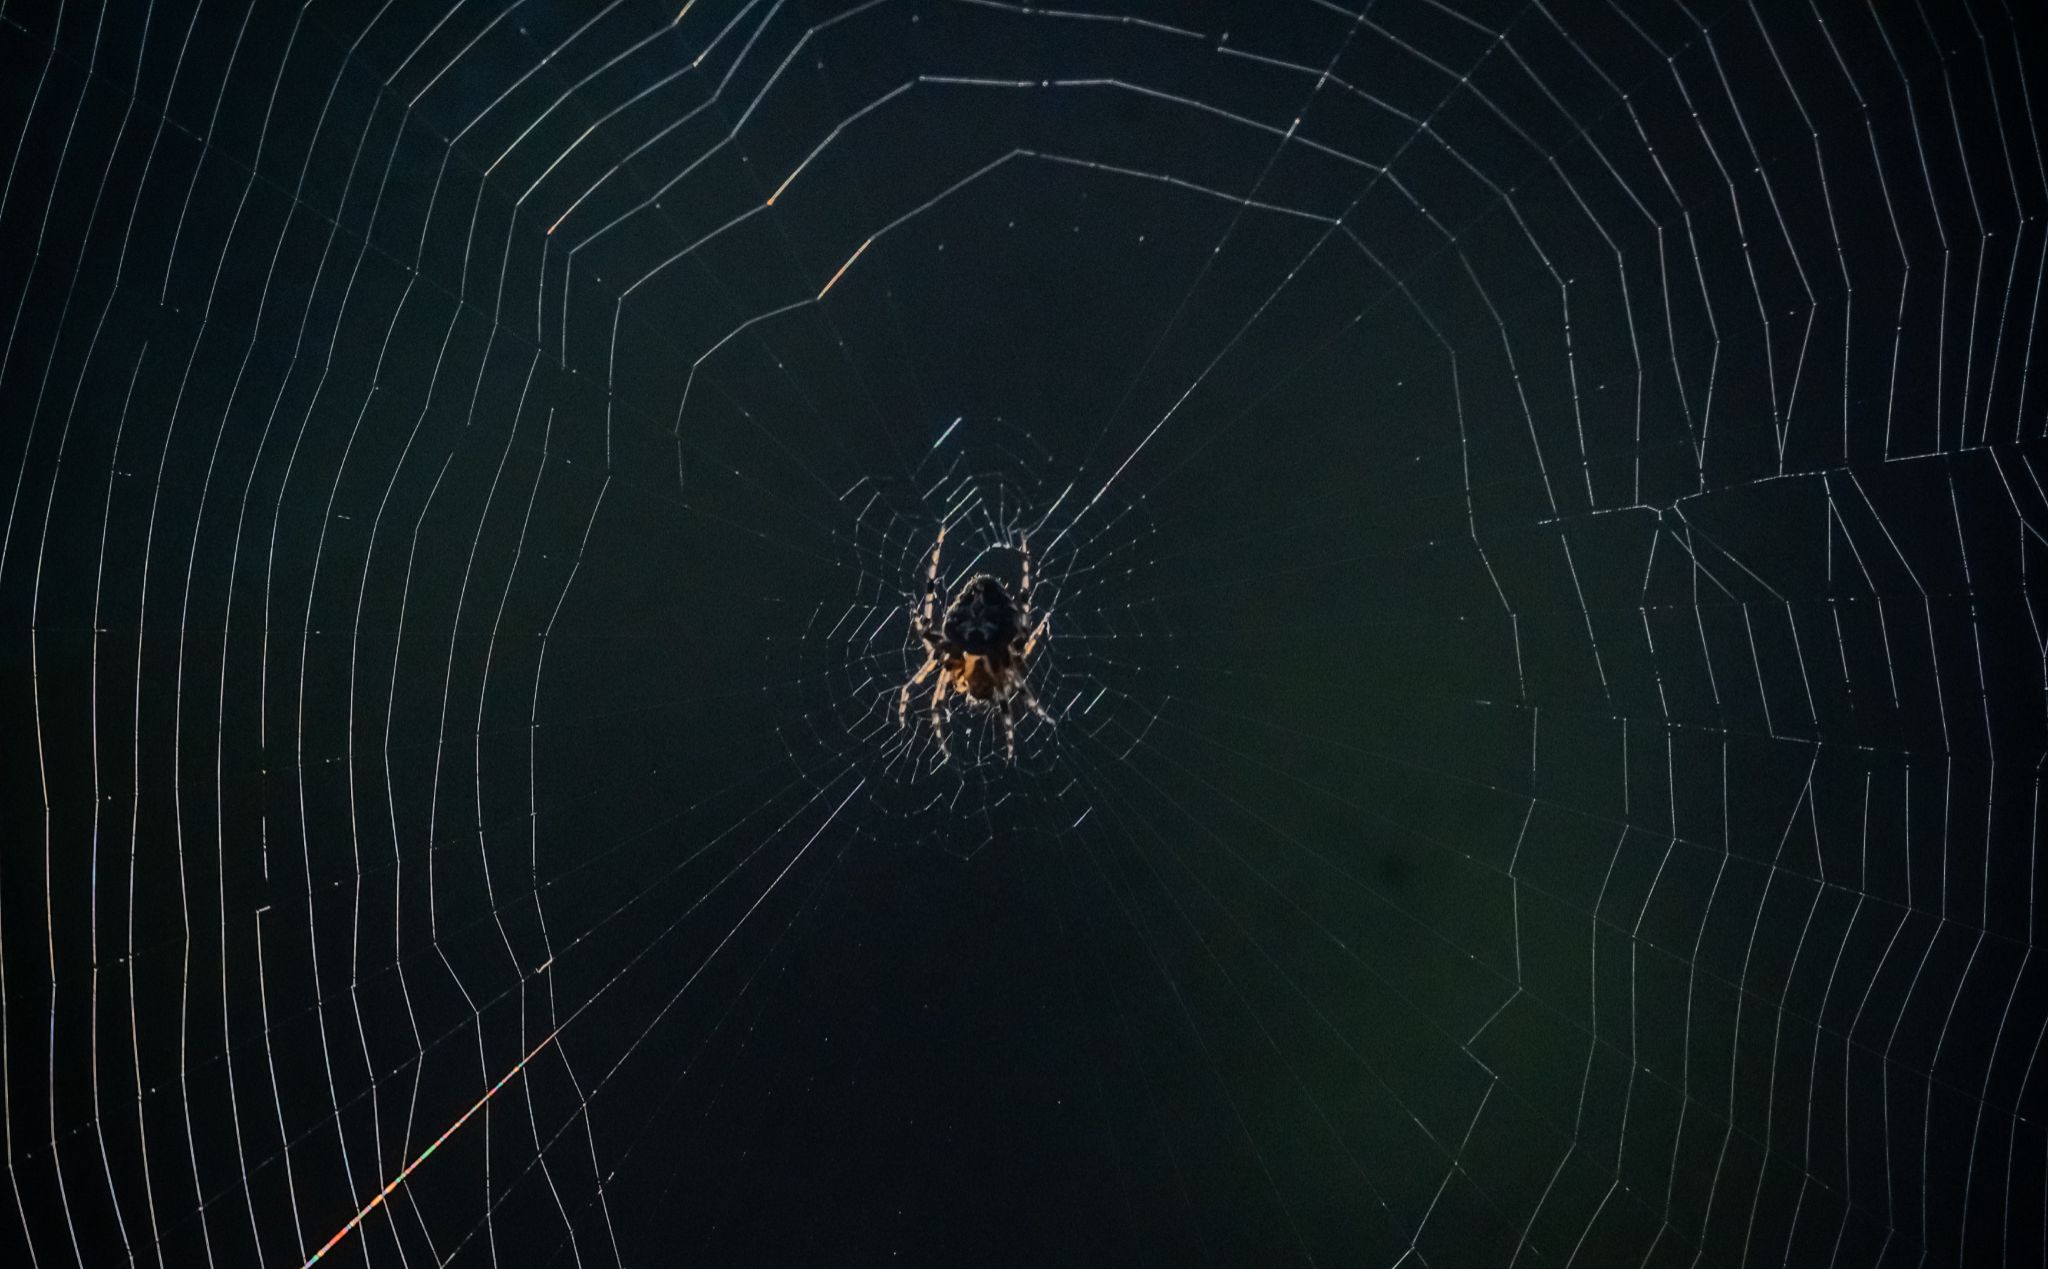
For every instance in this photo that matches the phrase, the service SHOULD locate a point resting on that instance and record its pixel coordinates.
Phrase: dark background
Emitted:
(1542, 512)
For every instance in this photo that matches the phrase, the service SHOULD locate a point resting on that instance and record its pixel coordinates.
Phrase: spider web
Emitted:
(1536, 504)
(944, 779)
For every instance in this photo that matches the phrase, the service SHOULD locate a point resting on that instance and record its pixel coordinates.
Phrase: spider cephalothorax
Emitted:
(980, 648)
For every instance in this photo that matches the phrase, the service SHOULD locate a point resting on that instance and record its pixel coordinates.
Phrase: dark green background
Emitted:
(1541, 507)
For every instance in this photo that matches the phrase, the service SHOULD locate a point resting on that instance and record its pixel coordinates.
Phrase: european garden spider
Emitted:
(981, 649)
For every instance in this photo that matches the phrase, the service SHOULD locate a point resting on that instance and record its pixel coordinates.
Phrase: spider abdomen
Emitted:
(981, 619)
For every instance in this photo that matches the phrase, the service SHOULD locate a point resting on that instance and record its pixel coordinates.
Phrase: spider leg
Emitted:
(939, 719)
(1031, 642)
(1030, 698)
(1024, 582)
(1009, 733)
(931, 583)
(903, 700)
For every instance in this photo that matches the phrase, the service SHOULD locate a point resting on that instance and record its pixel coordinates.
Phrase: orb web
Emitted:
(1537, 504)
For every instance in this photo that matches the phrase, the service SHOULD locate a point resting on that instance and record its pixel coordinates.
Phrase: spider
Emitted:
(981, 649)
